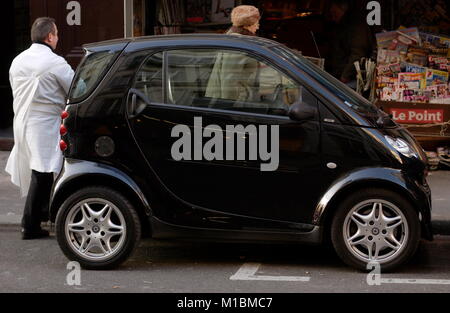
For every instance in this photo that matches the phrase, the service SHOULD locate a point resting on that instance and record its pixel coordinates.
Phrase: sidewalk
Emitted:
(11, 205)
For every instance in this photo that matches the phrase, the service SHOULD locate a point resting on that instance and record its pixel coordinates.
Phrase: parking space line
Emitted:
(415, 281)
(248, 272)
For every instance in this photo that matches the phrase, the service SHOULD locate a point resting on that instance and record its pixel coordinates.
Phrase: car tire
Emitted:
(364, 238)
(97, 239)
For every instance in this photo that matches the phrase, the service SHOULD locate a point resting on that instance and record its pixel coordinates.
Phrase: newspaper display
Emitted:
(413, 67)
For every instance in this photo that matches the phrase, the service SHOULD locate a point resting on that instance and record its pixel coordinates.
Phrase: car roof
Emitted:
(187, 38)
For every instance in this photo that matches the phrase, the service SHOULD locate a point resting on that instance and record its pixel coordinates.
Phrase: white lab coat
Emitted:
(40, 81)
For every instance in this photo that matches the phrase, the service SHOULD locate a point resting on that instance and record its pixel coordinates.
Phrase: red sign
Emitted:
(417, 116)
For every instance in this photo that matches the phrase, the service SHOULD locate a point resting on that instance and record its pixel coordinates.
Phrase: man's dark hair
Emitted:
(42, 26)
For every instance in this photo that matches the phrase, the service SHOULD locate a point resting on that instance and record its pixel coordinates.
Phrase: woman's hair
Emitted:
(245, 15)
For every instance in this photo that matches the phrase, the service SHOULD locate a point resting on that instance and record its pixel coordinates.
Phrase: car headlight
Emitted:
(402, 146)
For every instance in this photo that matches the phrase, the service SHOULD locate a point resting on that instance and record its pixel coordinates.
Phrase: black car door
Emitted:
(240, 100)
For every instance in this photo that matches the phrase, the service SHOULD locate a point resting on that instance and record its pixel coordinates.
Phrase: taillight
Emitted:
(63, 145)
(62, 130)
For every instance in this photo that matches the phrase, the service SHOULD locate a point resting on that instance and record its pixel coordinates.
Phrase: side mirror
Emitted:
(300, 111)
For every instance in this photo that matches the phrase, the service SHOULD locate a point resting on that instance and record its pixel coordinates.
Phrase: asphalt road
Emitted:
(186, 267)
(160, 266)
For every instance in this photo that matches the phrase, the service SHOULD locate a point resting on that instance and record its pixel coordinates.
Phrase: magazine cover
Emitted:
(445, 41)
(390, 94)
(415, 95)
(438, 91)
(395, 68)
(440, 94)
(387, 81)
(436, 77)
(389, 69)
(384, 70)
(437, 61)
(388, 56)
(412, 68)
(411, 80)
(417, 58)
(435, 40)
(407, 36)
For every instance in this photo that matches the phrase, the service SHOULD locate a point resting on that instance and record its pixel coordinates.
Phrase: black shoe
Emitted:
(35, 234)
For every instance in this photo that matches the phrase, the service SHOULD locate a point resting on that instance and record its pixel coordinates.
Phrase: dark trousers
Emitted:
(36, 207)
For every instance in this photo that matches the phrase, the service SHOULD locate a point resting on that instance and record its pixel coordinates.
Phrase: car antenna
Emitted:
(315, 43)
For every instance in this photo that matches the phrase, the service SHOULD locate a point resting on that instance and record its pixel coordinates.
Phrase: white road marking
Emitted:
(248, 272)
(415, 281)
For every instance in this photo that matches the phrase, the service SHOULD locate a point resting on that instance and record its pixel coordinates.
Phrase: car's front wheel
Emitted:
(375, 226)
(97, 227)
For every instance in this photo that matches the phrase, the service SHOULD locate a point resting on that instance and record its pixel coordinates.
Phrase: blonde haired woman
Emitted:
(245, 19)
(234, 76)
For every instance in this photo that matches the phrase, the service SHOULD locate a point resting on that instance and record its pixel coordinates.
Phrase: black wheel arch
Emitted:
(72, 180)
(326, 216)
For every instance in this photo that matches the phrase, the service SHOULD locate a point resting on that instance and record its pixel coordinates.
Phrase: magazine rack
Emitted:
(428, 122)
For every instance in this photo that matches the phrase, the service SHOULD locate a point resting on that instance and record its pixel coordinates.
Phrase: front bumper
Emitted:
(427, 226)
(422, 193)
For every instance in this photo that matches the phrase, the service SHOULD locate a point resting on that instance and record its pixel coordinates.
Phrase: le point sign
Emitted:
(417, 116)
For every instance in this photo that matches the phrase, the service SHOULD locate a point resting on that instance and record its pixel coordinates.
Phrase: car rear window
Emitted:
(91, 70)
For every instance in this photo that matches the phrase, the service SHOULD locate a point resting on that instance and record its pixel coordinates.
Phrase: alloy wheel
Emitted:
(95, 229)
(375, 231)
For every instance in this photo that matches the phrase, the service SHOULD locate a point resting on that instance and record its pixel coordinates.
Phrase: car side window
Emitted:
(149, 79)
(91, 70)
(229, 80)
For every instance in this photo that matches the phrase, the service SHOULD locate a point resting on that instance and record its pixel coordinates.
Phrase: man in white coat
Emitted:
(40, 81)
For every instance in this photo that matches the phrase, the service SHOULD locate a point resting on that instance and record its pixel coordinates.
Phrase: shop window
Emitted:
(138, 18)
(228, 80)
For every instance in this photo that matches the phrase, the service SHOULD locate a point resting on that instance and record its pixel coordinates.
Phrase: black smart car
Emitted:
(231, 138)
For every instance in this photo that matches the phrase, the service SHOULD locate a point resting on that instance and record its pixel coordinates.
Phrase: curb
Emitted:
(441, 228)
(10, 220)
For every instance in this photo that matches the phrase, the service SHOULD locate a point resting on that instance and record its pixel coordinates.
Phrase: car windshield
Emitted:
(345, 93)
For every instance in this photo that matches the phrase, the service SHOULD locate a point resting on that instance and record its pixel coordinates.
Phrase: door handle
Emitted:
(133, 107)
(133, 104)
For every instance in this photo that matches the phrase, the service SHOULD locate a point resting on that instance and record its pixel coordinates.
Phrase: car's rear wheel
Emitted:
(375, 226)
(97, 227)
